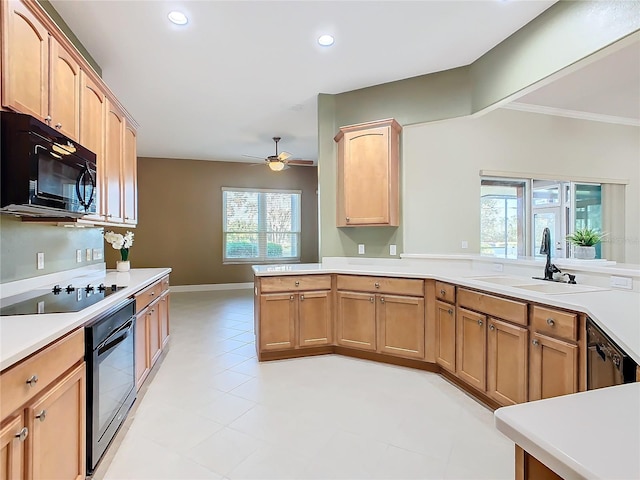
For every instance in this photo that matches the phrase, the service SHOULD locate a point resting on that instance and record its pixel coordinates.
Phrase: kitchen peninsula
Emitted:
(502, 336)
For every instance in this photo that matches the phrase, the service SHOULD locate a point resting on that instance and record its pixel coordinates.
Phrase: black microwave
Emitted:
(44, 173)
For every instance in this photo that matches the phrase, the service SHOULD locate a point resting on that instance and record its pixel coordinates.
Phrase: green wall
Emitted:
(563, 35)
(21, 241)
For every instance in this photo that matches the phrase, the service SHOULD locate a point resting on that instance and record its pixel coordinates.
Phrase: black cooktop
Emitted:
(57, 300)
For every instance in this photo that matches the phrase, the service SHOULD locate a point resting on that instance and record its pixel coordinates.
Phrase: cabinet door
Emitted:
(113, 164)
(130, 176)
(507, 368)
(356, 323)
(553, 367)
(142, 346)
(163, 310)
(471, 348)
(12, 439)
(57, 429)
(401, 325)
(64, 91)
(446, 336)
(278, 313)
(93, 110)
(25, 61)
(314, 318)
(154, 332)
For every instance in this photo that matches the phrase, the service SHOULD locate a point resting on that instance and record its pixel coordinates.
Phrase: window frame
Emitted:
(262, 233)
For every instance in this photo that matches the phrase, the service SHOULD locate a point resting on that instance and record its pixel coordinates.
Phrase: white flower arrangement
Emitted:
(120, 242)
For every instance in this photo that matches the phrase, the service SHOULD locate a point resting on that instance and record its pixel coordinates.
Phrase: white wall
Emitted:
(441, 162)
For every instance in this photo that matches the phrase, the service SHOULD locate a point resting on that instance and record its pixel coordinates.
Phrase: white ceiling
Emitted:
(242, 72)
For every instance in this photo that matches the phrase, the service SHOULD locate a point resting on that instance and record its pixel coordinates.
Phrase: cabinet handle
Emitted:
(535, 342)
(480, 322)
(153, 310)
(58, 126)
(443, 293)
(153, 293)
(550, 322)
(371, 299)
(377, 285)
(297, 283)
(381, 299)
(48, 119)
(491, 327)
(291, 298)
(302, 298)
(42, 415)
(348, 219)
(450, 312)
(32, 380)
(22, 434)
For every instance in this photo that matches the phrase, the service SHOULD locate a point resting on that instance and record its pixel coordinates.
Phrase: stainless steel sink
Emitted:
(559, 288)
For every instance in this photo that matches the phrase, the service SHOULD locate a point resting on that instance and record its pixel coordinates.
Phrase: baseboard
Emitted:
(210, 287)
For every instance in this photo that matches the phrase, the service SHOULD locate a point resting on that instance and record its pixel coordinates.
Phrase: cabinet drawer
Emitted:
(396, 286)
(148, 295)
(554, 322)
(446, 292)
(292, 283)
(495, 306)
(164, 283)
(46, 366)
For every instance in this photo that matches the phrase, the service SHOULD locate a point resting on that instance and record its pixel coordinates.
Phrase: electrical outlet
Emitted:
(621, 282)
(40, 257)
(464, 244)
(78, 256)
(361, 249)
(392, 250)
(89, 255)
(97, 254)
(498, 267)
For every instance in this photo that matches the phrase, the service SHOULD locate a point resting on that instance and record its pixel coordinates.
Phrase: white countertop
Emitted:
(21, 335)
(594, 434)
(617, 312)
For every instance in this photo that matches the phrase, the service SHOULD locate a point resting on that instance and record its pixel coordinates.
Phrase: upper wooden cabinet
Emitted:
(113, 164)
(40, 76)
(368, 174)
(129, 176)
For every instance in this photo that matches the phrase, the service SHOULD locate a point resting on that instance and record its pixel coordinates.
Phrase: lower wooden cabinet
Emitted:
(141, 346)
(57, 430)
(400, 325)
(530, 468)
(507, 368)
(153, 332)
(12, 439)
(471, 348)
(446, 336)
(295, 320)
(163, 308)
(553, 367)
(356, 320)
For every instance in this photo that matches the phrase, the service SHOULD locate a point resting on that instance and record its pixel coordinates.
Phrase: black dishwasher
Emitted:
(607, 364)
(111, 377)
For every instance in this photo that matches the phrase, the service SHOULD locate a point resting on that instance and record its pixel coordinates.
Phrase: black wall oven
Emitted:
(111, 381)
(44, 173)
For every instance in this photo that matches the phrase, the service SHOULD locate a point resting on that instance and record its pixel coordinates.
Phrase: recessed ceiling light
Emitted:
(178, 18)
(325, 40)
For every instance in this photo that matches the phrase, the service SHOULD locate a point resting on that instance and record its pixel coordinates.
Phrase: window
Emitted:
(260, 225)
(501, 218)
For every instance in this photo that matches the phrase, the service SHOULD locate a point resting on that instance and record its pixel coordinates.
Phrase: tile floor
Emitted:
(212, 411)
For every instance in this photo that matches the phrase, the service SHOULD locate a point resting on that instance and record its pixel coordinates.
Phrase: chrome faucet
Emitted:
(545, 249)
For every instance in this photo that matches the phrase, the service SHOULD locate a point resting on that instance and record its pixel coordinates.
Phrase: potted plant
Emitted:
(584, 241)
(122, 243)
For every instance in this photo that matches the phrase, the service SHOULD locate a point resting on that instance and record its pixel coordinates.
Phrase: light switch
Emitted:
(465, 244)
(40, 263)
(89, 254)
(392, 250)
(361, 249)
(78, 256)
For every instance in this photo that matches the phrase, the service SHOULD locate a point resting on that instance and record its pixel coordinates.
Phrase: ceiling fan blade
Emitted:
(252, 156)
(300, 162)
(283, 156)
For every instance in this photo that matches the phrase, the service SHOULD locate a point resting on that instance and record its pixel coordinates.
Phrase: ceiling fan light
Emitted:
(276, 166)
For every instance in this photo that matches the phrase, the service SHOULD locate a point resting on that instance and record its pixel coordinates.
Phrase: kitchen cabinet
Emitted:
(113, 164)
(43, 432)
(507, 368)
(471, 348)
(129, 176)
(297, 315)
(368, 174)
(553, 367)
(530, 468)
(152, 327)
(373, 315)
(40, 76)
(446, 336)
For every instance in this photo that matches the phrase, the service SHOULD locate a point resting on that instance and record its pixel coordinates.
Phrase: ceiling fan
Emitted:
(281, 160)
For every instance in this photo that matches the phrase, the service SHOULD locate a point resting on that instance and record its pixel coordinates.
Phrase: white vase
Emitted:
(584, 253)
(123, 266)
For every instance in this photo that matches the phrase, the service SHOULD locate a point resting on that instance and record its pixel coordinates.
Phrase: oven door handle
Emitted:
(116, 338)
